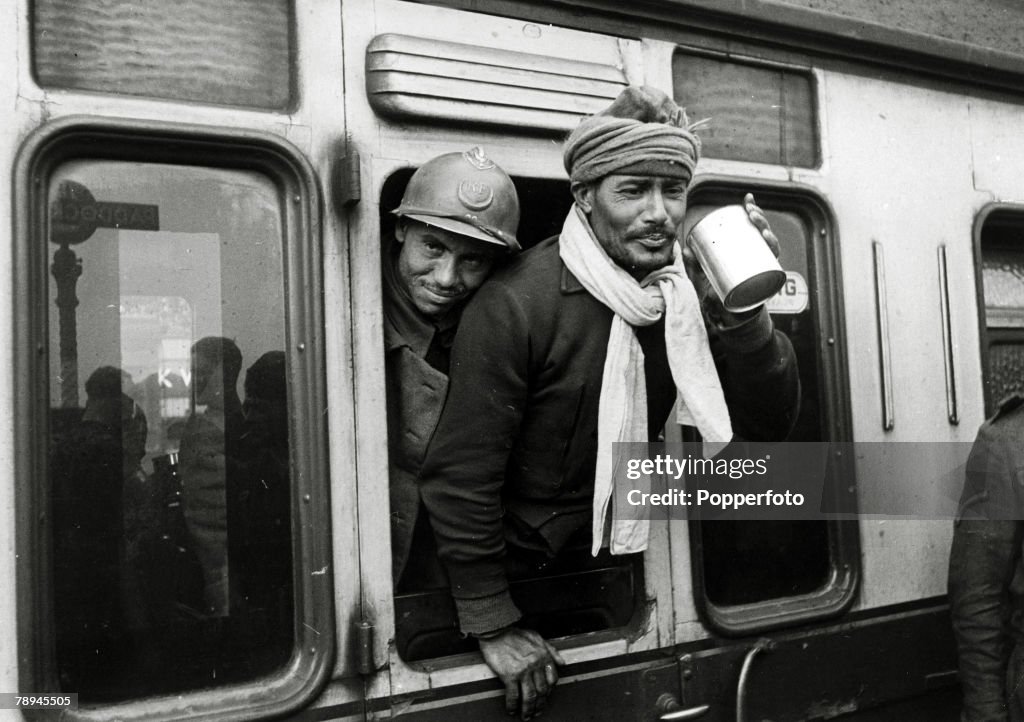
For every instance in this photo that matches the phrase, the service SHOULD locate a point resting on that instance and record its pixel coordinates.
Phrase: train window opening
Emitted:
(543, 205)
(170, 473)
(225, 52)
(1002, 285)
(576, 593)
(744, 568)
(758, 113)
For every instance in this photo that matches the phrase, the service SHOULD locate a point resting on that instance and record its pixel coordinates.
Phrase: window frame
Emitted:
(87, 138)
(825, 284)
(986, 335)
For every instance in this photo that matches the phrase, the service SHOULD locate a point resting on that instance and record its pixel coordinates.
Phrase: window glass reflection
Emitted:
(746, 562)
(169, 460)
(1003, 273)
(1002, 281)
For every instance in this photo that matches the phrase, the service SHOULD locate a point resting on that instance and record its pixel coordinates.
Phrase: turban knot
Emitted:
(643, 132)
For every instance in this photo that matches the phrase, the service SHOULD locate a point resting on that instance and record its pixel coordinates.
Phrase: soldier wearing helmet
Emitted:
(456, 223)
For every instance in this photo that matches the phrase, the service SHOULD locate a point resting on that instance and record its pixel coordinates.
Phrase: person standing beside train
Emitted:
(457, 220)
(986, 570)
(580, 342)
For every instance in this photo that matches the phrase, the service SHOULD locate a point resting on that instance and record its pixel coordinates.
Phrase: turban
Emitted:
(643, 132)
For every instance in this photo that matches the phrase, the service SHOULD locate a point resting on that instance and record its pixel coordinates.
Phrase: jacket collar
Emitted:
(569, 283)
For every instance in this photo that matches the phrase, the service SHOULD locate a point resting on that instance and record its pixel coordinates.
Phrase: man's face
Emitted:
(441, 269)
(207, 381)
(635, 218)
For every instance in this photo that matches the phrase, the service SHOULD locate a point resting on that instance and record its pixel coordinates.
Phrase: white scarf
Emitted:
(622, 410)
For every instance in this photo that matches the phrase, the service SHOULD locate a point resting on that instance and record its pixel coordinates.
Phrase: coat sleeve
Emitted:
(464, 470)
(758, 369)
(983, 557)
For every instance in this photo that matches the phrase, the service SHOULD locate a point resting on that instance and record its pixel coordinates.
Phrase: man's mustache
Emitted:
(660, 234)
(449, 292)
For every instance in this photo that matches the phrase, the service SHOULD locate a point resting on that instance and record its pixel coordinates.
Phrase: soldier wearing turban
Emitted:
(587, 339)
(642, 133)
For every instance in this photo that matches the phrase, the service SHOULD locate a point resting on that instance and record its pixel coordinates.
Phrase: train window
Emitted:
(228, 52)
(178, 439)
(576, 593)
(763, 114)
(1002, 284)
(743, 569)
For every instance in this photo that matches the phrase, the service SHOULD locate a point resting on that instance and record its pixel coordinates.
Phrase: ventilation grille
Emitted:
(432, 80)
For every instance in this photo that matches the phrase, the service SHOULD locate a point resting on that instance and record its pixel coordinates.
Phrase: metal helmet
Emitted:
(465, 193)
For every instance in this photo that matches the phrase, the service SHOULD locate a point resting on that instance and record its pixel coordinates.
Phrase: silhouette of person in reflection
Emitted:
(209, 458)
(93, 465)
(260, 519)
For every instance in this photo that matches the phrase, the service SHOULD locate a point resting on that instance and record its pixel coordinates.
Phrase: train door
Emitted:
(173, 267)
(423, 81)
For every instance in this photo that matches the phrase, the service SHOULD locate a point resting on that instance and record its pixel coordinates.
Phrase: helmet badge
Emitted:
(477, 158)
(476, 196)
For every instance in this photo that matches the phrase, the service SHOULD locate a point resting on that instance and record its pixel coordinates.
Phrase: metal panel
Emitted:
(418, 78)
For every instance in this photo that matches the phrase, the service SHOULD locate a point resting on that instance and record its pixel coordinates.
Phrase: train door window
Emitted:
(174, 410)
(755, 574)
(227, 52)
(1002, 284)
(759, 113)
(576, 594)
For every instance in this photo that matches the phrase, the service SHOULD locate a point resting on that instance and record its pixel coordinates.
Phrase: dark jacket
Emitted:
(211, 468)
(416, 387)
(514, 453)
(415, 396)
(986, 576)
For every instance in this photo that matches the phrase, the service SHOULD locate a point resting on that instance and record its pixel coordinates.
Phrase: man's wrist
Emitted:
(494, 634)
(748, 334)
(487, 614)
